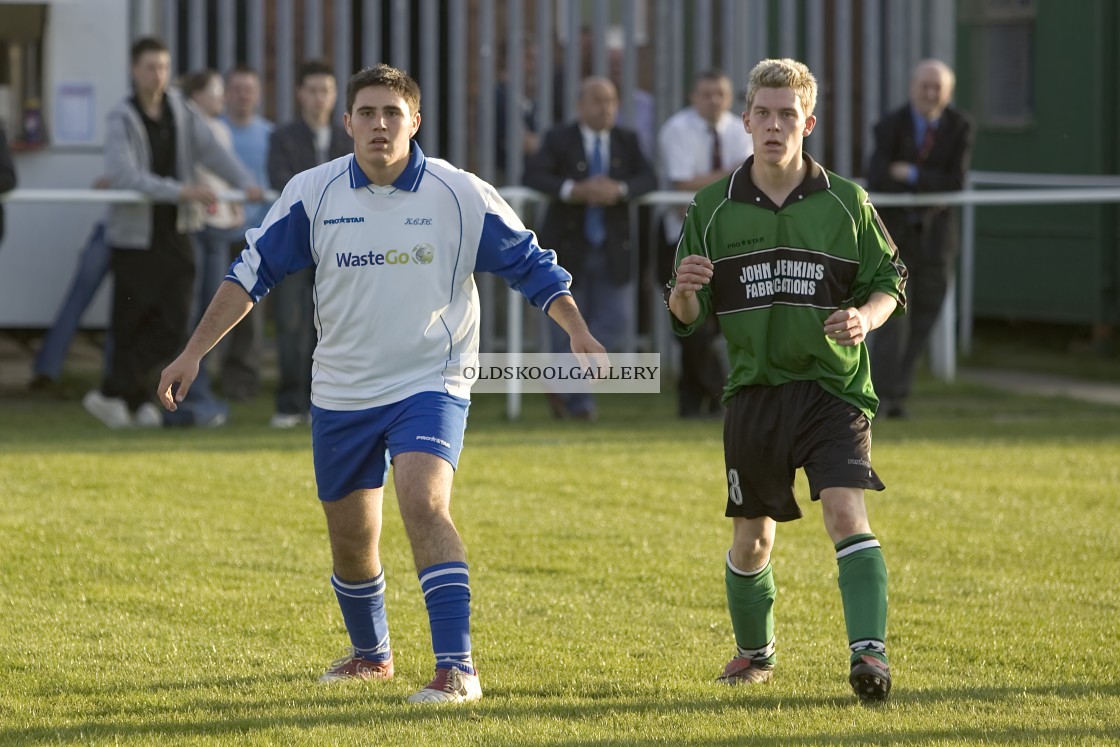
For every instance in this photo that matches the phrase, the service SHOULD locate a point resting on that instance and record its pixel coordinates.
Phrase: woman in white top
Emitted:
(225, 221)
(223, 224)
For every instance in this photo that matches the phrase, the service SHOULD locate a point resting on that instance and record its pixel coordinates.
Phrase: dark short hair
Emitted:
(312, 67)
(397, 81)
(712, 73)
(242, 69)
(146, 44)
(198, 80)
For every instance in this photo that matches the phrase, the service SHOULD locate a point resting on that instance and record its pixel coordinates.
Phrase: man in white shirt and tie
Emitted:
(592, 169)
(698, 145)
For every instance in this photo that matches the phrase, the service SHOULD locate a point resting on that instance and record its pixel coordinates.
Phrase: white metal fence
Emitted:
(954, 330)
(462, 52)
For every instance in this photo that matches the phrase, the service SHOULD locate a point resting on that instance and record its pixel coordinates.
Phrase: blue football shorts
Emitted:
(353, 449)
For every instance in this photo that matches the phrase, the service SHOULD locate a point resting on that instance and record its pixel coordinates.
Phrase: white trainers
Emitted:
(450, 685)
(111, 411)
(147, 416)
(217, 420)
(286, 420)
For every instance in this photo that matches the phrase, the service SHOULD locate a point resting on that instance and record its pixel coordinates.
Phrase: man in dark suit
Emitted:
(592, 170)
(924, 146)
(304, 143)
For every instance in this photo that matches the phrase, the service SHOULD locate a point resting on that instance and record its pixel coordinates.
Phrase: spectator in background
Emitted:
(644, 119)
(639, 113)
(224, 221)
(223, 224)
(700, 144)
(924, 146)
(240, 351)
(153, 143)
(92, 269)
(304, 143)
(559, 89)
(591, 169)
(7, 175)
(525, 101)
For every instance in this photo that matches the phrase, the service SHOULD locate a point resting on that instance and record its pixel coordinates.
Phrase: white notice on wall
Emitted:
(74, 113)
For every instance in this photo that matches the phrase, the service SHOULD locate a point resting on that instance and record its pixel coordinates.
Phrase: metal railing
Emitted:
(948, 338)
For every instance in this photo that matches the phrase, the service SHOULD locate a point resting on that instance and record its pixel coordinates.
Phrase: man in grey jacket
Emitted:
(153, 143)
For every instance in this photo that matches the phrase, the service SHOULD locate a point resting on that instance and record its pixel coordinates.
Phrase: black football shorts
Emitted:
(770, 431)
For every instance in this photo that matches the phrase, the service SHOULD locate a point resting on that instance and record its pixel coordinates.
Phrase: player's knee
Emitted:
(420, 511)
(844, 524)
(751, 553)
(354, 559)
(844, 512)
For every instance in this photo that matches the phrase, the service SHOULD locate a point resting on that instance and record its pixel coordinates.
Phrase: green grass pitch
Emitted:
(172, 587)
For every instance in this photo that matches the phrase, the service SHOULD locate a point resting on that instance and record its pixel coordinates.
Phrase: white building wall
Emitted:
(85, 72)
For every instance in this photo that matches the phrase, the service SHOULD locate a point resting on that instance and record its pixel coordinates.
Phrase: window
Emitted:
(21, 105)
(1003, 55)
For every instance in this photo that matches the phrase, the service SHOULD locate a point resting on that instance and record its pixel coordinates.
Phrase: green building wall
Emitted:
(1054, 263)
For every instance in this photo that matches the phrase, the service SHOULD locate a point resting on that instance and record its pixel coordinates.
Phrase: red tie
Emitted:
(927, 142)
(717, 158)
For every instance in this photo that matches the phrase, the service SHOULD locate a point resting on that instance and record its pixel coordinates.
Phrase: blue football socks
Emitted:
(363, 610)
(447, 593)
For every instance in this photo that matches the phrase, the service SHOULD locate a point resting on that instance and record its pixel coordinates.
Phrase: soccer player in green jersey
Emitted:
(798, 268)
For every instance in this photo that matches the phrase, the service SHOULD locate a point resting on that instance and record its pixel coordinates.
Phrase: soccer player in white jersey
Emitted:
(395, 238)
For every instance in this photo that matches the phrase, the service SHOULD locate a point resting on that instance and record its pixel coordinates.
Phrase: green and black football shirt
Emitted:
(781, 270)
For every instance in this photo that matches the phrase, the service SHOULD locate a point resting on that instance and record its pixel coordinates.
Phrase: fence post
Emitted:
(968, 270)
(942, 347)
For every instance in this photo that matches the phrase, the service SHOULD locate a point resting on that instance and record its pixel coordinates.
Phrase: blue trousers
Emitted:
(609, 312)
(93, 268)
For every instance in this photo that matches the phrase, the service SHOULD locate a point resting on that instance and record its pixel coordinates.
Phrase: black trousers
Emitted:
(703, 374)
(700, 388)
(152, 291)
(897, 346)
(241, 351)
(293, 304)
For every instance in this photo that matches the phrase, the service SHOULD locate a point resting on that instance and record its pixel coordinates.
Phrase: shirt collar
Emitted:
(741, 189)
(409, 180)
(705, 124)
(921, 121)
(590, 134)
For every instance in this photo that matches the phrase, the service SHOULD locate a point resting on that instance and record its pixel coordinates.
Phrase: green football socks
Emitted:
(863, 589)
(750, 599)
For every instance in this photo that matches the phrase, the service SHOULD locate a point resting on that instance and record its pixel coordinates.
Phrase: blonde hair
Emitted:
(784, 73)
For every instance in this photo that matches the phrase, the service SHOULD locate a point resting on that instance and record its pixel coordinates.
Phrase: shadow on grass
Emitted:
(375, 710)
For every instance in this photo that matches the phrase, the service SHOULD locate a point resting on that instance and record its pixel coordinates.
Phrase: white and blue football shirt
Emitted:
(396, 307)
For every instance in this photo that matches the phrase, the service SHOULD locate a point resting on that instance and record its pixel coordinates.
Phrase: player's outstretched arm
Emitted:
(564, 312)
(230, 305)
